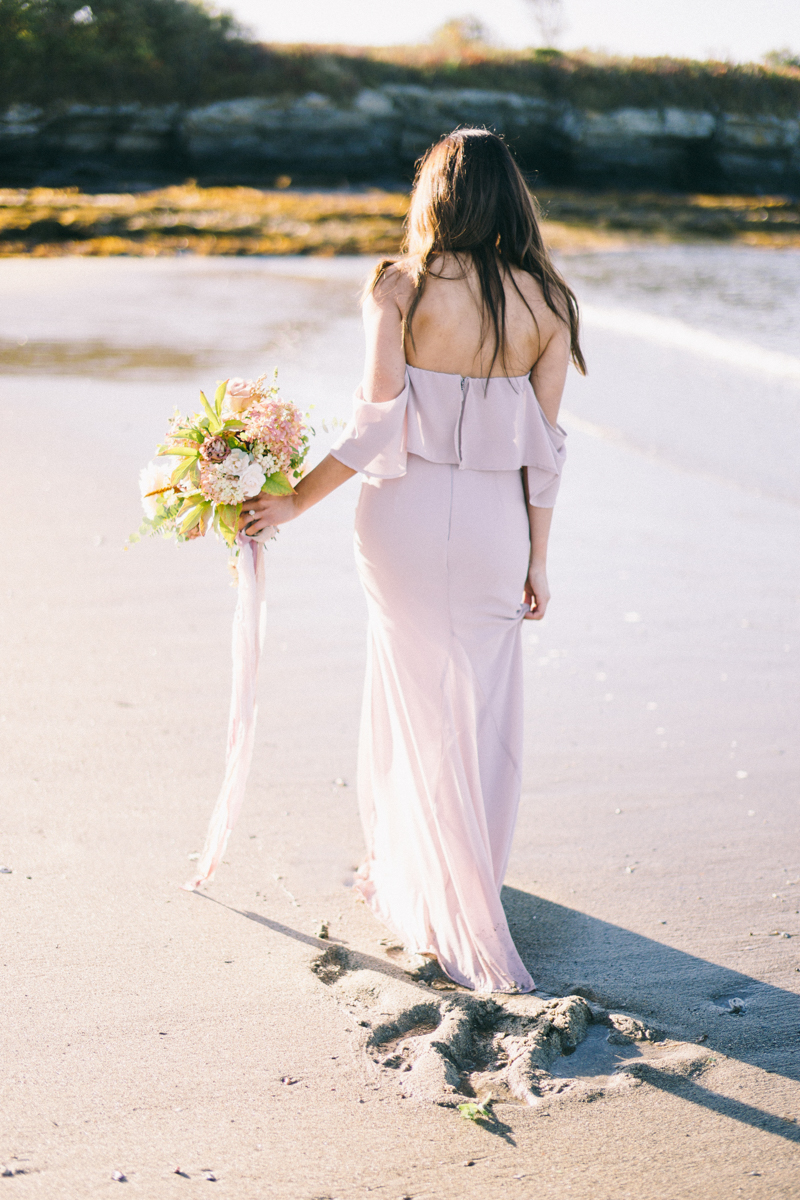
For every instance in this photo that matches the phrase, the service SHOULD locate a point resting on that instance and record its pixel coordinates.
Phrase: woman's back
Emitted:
(449, 325)
(448, 331)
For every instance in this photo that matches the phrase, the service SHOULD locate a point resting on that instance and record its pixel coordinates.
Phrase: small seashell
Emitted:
(119, 1177)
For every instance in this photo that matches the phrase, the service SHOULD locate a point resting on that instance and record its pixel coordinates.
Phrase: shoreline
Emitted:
(236, 221)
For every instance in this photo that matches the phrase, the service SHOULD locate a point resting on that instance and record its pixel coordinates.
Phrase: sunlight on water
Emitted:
(740, 292)
(667, 331)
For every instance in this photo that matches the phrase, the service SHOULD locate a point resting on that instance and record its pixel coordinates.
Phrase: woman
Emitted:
(469, 336)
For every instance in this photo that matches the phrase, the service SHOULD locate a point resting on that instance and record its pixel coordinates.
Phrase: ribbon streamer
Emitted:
(248, 637)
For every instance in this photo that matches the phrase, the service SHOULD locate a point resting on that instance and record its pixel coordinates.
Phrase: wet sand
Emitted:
(655, 869)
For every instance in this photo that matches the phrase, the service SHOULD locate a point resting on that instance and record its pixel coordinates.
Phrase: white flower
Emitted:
(268, 462)
(252, 481)
(154, 478)
(236, 463)
(219, 487)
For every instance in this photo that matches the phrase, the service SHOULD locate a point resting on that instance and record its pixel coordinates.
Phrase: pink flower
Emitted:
(278, 426)
(240, 394)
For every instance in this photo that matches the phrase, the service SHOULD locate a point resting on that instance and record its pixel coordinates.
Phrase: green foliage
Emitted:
(214, 423)
(228, 521)
(783, 58)
(160, 51)
(154, 51)
(277, 484)
(474, 1111)
(590, 81)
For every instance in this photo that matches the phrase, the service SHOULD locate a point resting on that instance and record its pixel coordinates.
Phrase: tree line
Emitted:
(162, 51)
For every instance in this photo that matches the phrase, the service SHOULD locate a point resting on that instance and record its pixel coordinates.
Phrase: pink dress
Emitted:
(442, 545)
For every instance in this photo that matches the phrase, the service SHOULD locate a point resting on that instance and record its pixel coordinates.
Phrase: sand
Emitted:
(166, 1036)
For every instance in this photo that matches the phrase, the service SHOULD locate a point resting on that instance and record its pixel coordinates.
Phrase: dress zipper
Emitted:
(461, 418)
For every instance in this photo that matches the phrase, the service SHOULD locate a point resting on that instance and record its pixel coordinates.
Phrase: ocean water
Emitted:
(693, 352)
(747, 296)
(694, 359)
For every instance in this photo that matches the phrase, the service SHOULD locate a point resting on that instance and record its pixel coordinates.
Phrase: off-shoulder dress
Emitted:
(442, 545)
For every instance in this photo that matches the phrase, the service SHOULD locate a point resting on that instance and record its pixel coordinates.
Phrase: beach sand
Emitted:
(162, 1034)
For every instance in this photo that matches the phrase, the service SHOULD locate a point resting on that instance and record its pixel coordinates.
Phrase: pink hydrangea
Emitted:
(279, 427)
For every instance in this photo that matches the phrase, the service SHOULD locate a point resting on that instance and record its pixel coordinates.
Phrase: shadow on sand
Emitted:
(680, 995)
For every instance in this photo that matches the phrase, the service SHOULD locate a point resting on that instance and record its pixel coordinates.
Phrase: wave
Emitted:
(667, 331)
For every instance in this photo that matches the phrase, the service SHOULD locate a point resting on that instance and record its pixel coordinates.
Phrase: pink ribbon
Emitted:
(248, 638)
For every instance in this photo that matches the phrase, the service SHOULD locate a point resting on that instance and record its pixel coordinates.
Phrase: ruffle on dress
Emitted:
(474, 424)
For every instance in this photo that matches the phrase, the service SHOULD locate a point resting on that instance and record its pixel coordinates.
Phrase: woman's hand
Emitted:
(537, 592)
(263, 511)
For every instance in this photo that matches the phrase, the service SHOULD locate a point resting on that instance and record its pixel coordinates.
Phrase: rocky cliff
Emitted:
(379, 134)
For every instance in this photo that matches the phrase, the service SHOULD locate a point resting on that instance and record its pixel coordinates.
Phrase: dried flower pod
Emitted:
(215, 449)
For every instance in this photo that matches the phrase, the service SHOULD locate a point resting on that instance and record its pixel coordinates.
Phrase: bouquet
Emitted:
(247, 442)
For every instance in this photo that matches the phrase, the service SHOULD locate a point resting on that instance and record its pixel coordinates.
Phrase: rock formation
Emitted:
(379, 135)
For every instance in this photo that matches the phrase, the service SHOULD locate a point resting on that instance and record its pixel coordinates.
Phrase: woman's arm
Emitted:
(385, 364)
(263, 511)
(384, 378)
(548, 378)
(537, 590)
(550, 371)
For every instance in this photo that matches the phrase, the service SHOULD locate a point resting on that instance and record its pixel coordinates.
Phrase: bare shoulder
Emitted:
(394, 288)
(531, 289)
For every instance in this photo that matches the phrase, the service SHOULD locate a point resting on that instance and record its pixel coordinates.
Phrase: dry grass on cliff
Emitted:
(45, 222)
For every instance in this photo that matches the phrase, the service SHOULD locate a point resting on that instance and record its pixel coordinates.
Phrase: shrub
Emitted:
(159, 51)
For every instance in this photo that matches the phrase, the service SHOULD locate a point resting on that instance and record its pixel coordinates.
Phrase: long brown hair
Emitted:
(471, 199)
